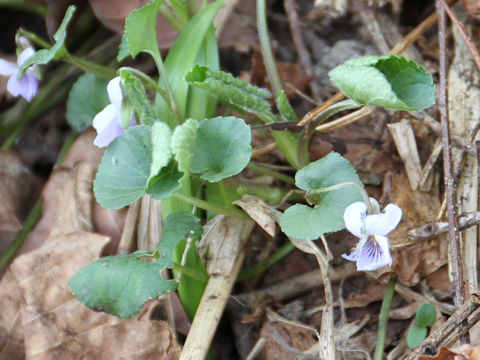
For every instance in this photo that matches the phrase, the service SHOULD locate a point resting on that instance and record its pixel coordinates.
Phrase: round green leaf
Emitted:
(222, 148)
(426, 314)
(120, 285)
(125, 168)
(165, 183)
(86, 99)
(416, 335)
(176, 227)
(392, 82)
(306, 223)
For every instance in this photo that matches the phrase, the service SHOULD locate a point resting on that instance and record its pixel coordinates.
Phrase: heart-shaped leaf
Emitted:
(309, 223)
(392, 82)
(222, 148)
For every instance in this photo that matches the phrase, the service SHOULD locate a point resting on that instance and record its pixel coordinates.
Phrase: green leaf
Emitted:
(161, 152)
(176, 227)
(136, 95)
(58, 50)
(286, 111)
(182, 57)
(140, 29)
(86, 99)
(307, 223)
(222, 148)
(165, 183)
(120, 285)
(183, 140)
(392, 82)
(181, 9)
(230, 91)
(125, 168)
(426, 314)
(123, 49)
(416, 335)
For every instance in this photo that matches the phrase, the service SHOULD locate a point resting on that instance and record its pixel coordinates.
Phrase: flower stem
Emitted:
(205, 205)
(266, 48)
(383, 320)
(147, 81)
(275, 174)
(164, 76)
(360, 188)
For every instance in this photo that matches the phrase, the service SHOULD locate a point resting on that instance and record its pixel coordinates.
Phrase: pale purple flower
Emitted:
(372, 251)
(108, 122)
(27, 86)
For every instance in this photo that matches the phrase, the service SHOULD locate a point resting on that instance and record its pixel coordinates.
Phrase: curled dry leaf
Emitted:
(259, 211)
(473, 7)
(464, 352)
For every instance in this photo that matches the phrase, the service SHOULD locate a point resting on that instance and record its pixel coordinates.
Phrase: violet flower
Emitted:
(108, 122)
(372, 251)
(27, 86)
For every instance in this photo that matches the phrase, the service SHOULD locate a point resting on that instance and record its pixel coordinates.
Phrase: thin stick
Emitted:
(298, 41)
(463, 33)
(455, 252)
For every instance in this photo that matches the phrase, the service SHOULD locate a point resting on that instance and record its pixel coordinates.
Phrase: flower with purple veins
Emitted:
(27, 86)
(372, 251)
(108, 122)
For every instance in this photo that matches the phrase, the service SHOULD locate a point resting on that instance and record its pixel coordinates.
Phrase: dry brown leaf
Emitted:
(447, 354)
(112, 14)
(11, 335)
(414, 261)
(259, 211)
(473, 7)
(56, 325)
(285, 341)
(16, 186)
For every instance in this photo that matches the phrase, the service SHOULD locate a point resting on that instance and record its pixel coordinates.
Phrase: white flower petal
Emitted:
(7, 68)
(354, 217)
(383, 223)
(28, 52)
(102, 120)
(374, 255)
(114, 91)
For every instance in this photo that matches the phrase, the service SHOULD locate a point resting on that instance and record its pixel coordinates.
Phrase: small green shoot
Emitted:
(424, 318)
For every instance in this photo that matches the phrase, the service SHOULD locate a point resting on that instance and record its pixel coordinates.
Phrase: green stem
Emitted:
(275, 174)
(104, 72)
(309, 130)
(205, 205)
(223, 193)
(148, 82)
(366, 199)
(190, 272)
(35, 213)
(171, 18)
(383, 320)
(164, 76)
(192, 7)
(279, 254)
(86, 65)
(266, 48)
(23, 6)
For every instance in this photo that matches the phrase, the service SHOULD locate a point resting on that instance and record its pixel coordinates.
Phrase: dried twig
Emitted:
(456, 258)
(463, 33)
(435, 228)
(298, 41)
